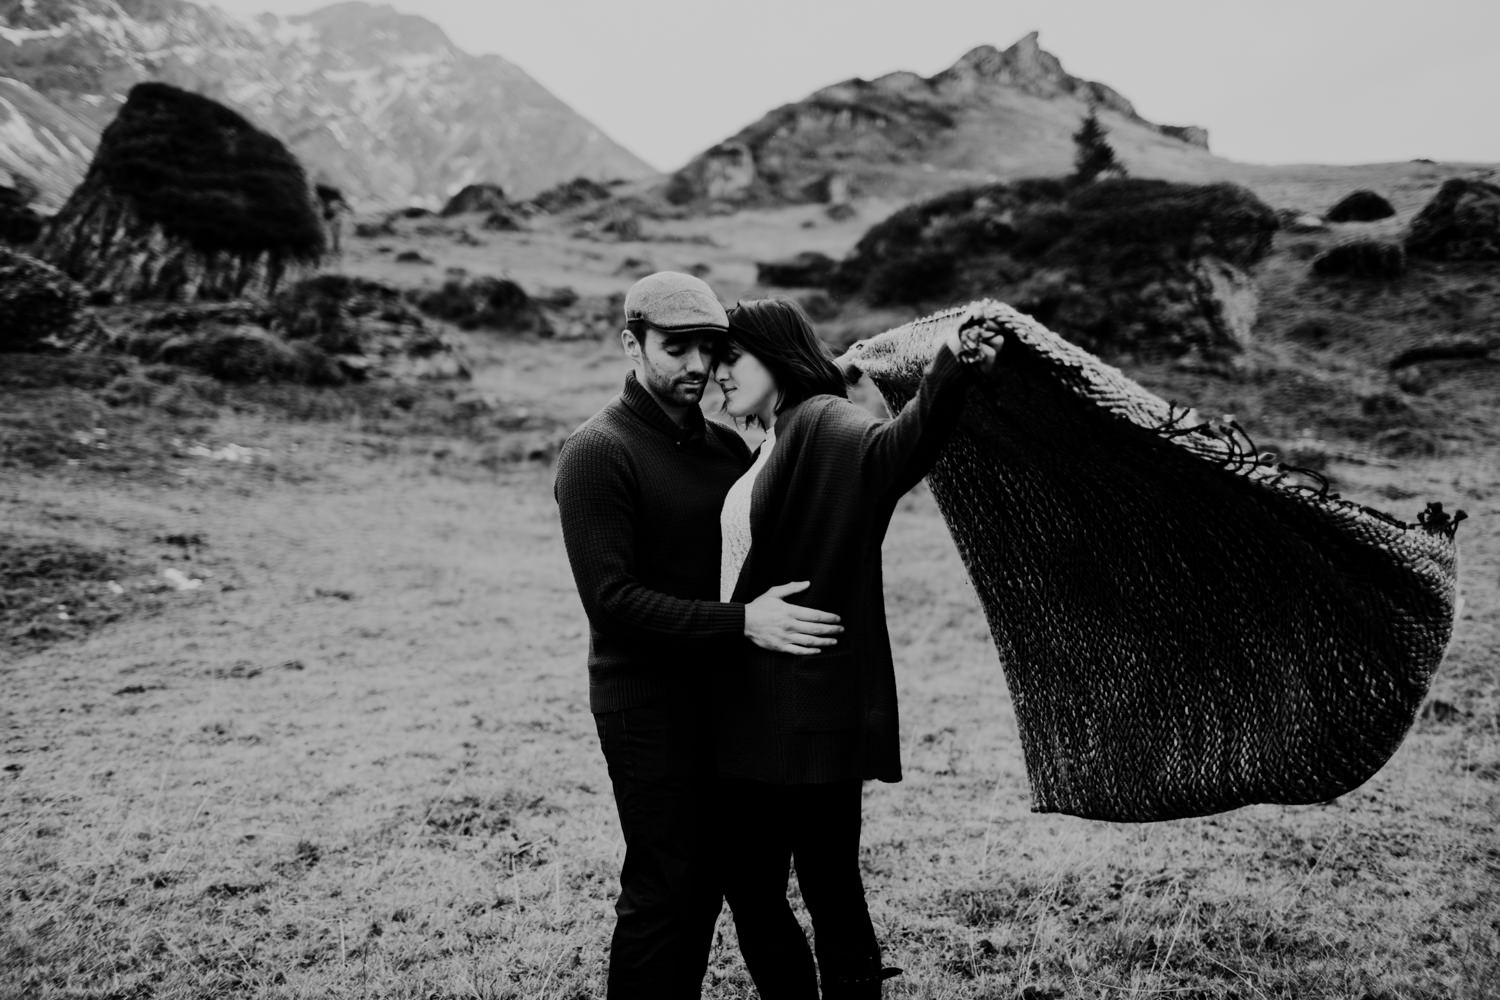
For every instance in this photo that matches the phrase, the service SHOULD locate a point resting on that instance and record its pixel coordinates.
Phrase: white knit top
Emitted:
(734, 521)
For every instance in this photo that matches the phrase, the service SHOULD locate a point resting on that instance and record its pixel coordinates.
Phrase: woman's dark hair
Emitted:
(781, 337)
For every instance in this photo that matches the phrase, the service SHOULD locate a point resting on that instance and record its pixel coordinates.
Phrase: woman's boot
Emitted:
(862, 986)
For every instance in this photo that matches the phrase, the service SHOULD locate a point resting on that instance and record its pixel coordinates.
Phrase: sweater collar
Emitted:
(641, 403)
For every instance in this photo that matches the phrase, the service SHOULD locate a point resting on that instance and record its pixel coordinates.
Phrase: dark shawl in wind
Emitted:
(1185, 626)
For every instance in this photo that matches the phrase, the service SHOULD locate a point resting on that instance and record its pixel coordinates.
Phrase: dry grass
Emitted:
(365, 767)
(358, 762)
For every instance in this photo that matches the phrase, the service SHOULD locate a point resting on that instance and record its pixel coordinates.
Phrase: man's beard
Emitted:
(676, 389)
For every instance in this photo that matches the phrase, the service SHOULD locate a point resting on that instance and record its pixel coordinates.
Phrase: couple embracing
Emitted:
(740, 671)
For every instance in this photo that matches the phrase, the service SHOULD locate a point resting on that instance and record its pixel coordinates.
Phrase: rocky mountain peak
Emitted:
(1025, 66)
(1028, 68)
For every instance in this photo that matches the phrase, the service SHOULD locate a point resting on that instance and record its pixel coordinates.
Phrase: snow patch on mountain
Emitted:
(18, 35)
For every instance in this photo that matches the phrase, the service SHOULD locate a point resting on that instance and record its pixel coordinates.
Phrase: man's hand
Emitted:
(771, 623)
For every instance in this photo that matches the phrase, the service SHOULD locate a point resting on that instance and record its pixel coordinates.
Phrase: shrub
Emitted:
(38, 303)
(250, 354)
(494, 303)
(905, 233)
(809, 269)
(330, 310)
(912, 279)
(19, 224)
(1117, 221)
(1043, 229)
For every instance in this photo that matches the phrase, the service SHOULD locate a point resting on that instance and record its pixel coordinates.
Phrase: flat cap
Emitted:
(675, 302)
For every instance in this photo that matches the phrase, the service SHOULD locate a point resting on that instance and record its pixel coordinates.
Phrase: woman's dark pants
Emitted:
(766, 829)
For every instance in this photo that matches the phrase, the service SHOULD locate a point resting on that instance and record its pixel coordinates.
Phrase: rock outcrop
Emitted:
(1360, 206)
(1029, 68)
(41, 308)
(1461, 222)
(185, 199)
(1193, 135)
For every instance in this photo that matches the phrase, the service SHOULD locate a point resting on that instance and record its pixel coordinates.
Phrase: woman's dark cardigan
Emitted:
(819, 512)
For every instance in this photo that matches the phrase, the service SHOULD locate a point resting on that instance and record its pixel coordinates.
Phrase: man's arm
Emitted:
(597, 507)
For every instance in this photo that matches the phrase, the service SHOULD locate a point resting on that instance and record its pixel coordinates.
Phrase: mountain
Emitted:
(42, 142)
(378, 103)
(992, 115)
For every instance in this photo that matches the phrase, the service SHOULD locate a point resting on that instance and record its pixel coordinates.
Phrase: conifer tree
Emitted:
(1093, 156)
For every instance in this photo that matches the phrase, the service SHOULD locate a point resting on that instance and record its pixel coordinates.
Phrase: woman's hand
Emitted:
(976, 346)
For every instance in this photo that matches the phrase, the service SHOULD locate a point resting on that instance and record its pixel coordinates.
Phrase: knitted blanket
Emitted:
(1185, 626)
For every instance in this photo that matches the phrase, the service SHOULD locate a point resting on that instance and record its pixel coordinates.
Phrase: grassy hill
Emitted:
(343, 746)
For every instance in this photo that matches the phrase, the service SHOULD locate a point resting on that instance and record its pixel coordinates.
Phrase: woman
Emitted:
(797, 735)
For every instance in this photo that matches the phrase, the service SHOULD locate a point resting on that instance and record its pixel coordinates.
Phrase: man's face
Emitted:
(674, 367)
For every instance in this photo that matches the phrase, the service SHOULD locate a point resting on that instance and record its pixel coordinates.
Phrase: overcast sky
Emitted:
(1274, 81)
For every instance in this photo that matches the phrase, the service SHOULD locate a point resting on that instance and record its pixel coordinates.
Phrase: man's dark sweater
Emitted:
(640, 498)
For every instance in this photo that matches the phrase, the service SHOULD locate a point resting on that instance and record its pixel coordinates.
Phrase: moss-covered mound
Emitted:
(206, 175)
(1461, 222)
(1361, 206)
(1120, 264)
(186, 199)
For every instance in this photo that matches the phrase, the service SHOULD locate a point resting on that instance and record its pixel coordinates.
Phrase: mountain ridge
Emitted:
(379, 103)
(993, 114)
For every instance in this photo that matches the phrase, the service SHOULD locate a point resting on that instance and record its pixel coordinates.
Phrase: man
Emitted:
(639, 488)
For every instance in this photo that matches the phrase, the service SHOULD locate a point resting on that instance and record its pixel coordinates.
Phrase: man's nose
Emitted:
(699, 361)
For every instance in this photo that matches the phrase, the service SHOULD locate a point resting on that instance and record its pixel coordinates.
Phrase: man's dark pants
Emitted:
(660, 761)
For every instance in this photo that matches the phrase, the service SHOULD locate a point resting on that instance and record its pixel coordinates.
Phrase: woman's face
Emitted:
(750, 390)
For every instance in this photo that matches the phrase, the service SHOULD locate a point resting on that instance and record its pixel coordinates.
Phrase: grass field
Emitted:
(355, 759)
